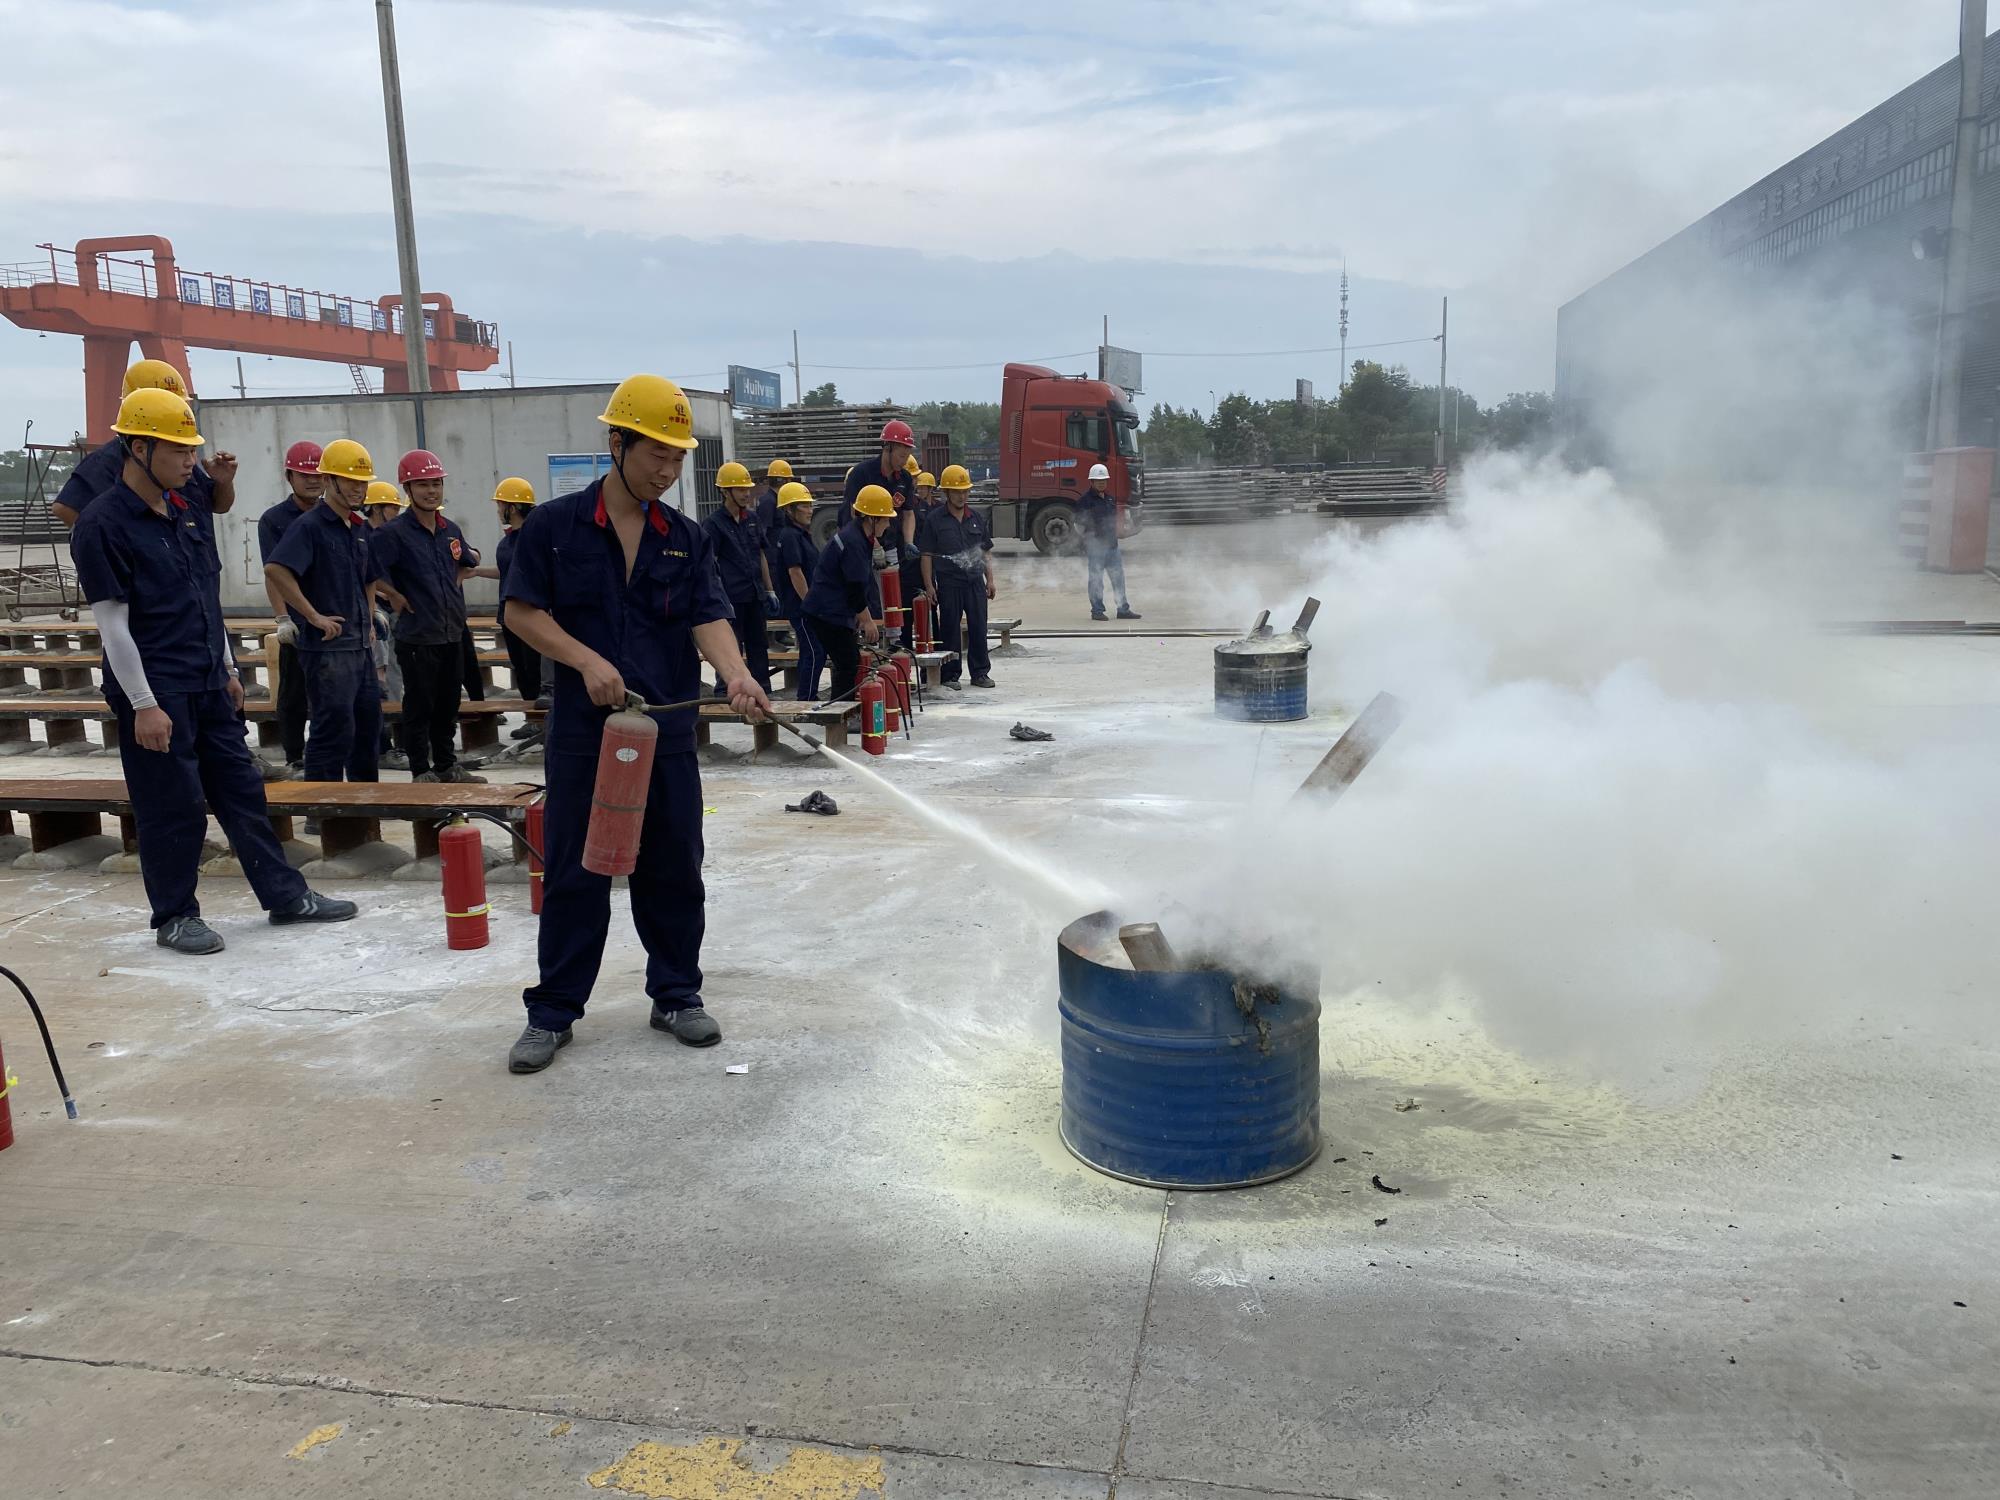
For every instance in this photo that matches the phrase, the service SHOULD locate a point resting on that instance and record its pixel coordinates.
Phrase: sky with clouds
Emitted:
(925, 189)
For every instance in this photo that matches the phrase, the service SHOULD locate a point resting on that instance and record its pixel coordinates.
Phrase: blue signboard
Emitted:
(295, 304)
(570, 472)
(378, 319)
(190, 289)
(755, 390)
(225, 295)
(260, 299)
(343, 314)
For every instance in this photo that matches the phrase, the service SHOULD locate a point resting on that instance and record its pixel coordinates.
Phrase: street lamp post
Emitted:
(406, 219)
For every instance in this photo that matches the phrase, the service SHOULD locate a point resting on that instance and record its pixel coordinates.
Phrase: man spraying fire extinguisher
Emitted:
(620, 591)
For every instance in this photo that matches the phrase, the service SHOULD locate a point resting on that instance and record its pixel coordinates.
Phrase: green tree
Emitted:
(1526, 419)
(972, 424)
(821, 395)
(1174, 439)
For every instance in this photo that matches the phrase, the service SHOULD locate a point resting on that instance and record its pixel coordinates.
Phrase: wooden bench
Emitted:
(63, 719)
(350, 813)
(831, 717)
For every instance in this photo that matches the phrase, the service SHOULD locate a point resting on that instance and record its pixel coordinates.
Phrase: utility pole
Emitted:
(1343, 326)
(510, 364)
(1949, 377)
(242, 394)
(1444, 355)
(406, 219)
(798, 382)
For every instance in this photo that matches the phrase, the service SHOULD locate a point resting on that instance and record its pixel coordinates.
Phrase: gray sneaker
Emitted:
(189, 935)
(313, 907)
(535, 1049)
(426, 776)
(294, 771)
(461, 776)
(395, 760)
(690, 1024)
(982, 681)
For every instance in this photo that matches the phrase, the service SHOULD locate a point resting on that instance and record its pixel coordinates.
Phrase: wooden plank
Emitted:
(80, 662)
(96, 708)
(380, 798)
(1351, 753)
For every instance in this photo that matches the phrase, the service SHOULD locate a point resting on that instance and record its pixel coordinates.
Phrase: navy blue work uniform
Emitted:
(523, 660)
(957, 547)
(739, 547)
(329, 556)
(793, 548)
(843, 586)
(158, 565)
(99, 469)
(568, 560)
(421, 564)
(291, 684)
(867, 472)
(1097, 520)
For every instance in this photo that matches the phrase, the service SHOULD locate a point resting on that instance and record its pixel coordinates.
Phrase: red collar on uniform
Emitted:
(656, 513)
(178, 503)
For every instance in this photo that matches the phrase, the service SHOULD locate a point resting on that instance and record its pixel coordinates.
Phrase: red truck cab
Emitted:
(1052, 429)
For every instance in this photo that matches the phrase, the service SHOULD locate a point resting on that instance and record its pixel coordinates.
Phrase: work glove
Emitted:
(881, 559)
(383, 623)
(287, 631)
(815, 802)
(771, 606)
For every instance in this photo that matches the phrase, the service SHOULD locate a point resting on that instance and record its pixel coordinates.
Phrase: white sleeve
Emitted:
(121, 652)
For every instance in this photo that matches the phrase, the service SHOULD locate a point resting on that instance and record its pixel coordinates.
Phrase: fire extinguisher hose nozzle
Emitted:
(48, 1043)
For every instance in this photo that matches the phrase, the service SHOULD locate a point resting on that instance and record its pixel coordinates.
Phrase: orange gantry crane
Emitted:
(109, 301)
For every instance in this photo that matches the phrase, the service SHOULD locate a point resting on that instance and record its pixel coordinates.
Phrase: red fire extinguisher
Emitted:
(463, 859)
(874, 716)
(892, 695)
(892, 600)
(618, 802)
(921, 624)
(536, 816)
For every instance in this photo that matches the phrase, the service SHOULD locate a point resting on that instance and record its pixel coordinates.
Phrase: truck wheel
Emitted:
(825, 522)
(1054, 529)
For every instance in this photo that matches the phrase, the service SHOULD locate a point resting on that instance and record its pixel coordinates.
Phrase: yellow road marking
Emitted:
(316, 1437)
(711, 1470)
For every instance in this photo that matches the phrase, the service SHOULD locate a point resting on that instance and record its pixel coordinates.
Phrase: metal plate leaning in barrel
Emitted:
(1261, 678)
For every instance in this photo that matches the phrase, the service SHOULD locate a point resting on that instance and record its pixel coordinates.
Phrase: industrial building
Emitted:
(1836, 229)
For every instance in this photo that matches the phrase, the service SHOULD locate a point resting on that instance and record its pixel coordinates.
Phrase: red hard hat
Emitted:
(418, 463)
(899, 432)
(302, 458)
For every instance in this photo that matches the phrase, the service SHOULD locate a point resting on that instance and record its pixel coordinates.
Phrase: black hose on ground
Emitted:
(48, 1042)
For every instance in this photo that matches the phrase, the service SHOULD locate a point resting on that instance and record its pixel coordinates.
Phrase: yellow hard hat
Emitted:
(926, 480)
(154, 375)
(512, 491)
(794, 494)
(732, 476)
(150, 412)
(874, 501)
(343, 458)
(779, 470)
(654, 407)
(911, 466)
(381, 492)
(955, 478)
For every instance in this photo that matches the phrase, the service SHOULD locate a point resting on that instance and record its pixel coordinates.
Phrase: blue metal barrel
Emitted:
(1261, 680)
(1196, 1079)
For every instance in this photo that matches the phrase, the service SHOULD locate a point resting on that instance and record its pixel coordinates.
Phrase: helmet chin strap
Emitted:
(147, 462)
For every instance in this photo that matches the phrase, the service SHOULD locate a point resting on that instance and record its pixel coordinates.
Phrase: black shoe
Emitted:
(535, 1049)
(312, 828)
(1127, 612)
(1097, 614)
(189, 935)
(426, 776)
(525, 732)
(954, 684)
(395, 760)
(982, 680)
(313, 907)
(690, 1024)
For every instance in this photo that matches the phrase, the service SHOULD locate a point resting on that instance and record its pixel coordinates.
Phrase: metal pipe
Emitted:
(1958, 246)
(406, 220)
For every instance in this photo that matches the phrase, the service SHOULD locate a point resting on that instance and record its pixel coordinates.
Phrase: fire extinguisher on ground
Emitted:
(462, 857)
(8, 1080)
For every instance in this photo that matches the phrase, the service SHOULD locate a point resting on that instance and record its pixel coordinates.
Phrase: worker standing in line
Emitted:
(1097, 519)
(845, 595)
(516, 498)
(796, 559)
(143, 565)
(764, 504)
(742, 559)
(384, 502)
(324, 572)
(621, 591)
(422, 559)
(958, 574)
(209, 492)
(303, 480)
(910, 519)
(889, 468)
